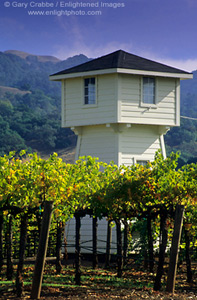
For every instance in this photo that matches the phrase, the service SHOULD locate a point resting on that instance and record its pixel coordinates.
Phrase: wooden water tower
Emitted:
(120, 105)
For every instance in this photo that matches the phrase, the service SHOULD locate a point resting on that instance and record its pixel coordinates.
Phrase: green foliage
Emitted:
(32, 118)
(184, 138)
(124, 192)
(9, 139)
(140, 192)
(32, 72)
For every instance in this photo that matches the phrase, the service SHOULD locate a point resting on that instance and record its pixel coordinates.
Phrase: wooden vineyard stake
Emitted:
(108, 245)
(42, 250)
(77, 250)
(119, 248)
(94, 230)
(162, 249)
(174, 248)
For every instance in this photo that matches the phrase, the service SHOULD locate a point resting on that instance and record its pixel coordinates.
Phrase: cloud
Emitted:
(188, 65)
(77, 41)
(192, 3)
(90, 50)
(79, 45)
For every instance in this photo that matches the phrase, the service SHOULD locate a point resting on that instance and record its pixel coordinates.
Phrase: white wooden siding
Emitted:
(77, 114)
(139, 142)
(119, 100)
(119, 144)
(98, 141)
(163, 113)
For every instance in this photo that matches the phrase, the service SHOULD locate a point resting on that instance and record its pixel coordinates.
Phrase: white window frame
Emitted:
(142, 162)
(85, 105)
(139, 159)
(145, 104)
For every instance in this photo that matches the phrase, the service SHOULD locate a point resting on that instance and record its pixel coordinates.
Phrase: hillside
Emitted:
(184, 138)
(30, 107)
(30, 103)
(6, 89)
(29, 72)
(40, 58)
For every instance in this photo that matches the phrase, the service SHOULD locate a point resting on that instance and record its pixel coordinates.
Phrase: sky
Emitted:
(161, 30)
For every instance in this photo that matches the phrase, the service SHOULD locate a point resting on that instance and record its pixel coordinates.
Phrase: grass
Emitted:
(89, 277)
(134, 279)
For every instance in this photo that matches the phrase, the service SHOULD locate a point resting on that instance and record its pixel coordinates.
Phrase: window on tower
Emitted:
(148, 90)
(90, 90)
(142, 162)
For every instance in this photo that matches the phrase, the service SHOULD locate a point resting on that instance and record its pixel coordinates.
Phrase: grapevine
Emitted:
(149, 193)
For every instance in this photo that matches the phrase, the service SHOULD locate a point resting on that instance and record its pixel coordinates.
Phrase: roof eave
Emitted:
(121, 70)
(156, 73)
(82, 74)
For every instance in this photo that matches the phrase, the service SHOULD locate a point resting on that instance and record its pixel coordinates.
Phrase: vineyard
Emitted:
(136, 198)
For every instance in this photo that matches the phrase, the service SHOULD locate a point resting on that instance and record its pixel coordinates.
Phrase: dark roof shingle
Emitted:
(121, 59)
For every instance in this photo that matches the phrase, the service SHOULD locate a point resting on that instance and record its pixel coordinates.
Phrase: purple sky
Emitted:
(162, 30)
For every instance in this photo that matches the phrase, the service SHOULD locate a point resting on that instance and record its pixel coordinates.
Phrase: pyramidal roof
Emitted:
(122, 60)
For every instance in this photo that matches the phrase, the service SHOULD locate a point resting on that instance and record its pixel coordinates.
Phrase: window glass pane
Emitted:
(86, 91)
(149, 90)
(89, 90)
(145, 80)
(142, 162)
(86, 82)
(92, 80)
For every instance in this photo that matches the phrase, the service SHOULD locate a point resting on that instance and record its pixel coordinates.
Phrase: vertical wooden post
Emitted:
(119, 248)
(23, 239)
(42, 250)
(108, 245)
(150, 244)
(94, 231)
(9, 248)
(187, 257)
(65, 245)
(58, 247)
(125, 249)
(77, 250)
(162, 249)
(174, 248)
